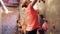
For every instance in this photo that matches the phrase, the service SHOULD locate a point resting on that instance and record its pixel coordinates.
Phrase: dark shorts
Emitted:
(41, 31)
(32, 32)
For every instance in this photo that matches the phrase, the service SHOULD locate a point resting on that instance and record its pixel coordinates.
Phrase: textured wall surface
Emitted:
(41, 7)
(53, 14)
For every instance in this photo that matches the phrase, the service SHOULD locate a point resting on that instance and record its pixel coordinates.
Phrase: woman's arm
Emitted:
(32, 3)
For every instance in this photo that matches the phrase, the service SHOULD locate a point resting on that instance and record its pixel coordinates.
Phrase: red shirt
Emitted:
(32, 17)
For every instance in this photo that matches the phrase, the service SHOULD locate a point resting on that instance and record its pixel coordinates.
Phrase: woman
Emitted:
(32, 17)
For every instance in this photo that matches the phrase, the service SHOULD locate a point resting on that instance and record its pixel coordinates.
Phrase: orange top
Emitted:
(32, 17)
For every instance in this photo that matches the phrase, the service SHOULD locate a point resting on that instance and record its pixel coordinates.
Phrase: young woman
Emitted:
(32, 17)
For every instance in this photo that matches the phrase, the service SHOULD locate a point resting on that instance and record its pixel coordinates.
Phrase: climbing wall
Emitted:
(53, 15)
(41, 7)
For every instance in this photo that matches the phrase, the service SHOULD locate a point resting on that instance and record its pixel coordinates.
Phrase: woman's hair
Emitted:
(24, 5)
(42, 16)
